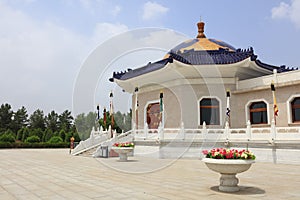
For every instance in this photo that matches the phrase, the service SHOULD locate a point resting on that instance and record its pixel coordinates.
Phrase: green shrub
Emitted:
(33, 139)
(6, 144)
(62, 134)
(38, 132)
(7, 138)
(25, 134)
(55, 140)
(33, 145)
(47, 135)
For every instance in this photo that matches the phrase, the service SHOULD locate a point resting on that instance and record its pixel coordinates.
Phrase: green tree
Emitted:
(20, 119)
(52, 121)
(25, 134)
(122, 121)
(48, 133)
(119, 121)
(108, 121)
(72, 134)
(6, 115)
(21, 133)
(62, 134)
(36, 132)
(37, 120)
(65, 120)
(84, 124)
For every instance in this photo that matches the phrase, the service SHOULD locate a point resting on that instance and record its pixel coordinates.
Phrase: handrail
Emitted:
(249, 133)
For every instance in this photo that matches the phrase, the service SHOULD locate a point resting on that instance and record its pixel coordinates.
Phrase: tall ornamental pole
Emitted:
(111, 112)
(136, 106)
(228, 107)
(275, 111)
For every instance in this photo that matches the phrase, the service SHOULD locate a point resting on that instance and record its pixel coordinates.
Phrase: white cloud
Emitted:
(39, 59)
(153, 10)
(116, 10)
(87, 4)
(286, 11)
(105, 31)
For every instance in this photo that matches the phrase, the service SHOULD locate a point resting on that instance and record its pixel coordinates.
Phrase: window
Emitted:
(210, 111)
(295, 104)
(258, 113)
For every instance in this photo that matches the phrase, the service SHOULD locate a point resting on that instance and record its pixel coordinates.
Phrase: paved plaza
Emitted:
(54, 174)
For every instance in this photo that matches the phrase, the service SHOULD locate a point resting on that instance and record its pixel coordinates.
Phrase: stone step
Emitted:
(88, 153)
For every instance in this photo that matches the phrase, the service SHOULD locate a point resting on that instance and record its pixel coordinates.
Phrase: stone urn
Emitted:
(228, 168)
(123, 152)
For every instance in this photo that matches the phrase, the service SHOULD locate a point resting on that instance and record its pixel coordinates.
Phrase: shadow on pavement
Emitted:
(244, 190)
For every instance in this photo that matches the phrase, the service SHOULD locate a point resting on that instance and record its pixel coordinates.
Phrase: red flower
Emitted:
(205, 152)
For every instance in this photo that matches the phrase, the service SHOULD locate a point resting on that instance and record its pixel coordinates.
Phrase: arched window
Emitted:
(210, 111)
(295, 104)
(258, 113)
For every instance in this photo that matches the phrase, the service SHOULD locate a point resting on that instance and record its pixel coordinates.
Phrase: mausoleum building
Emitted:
(207, 81)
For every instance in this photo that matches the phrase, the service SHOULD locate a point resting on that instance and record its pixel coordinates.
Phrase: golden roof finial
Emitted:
(201, 29)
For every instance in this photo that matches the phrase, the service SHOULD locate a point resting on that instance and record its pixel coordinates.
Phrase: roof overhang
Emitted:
(183, 73)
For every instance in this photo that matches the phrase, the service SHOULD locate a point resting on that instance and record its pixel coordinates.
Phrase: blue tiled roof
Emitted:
(221, 56)
(222, 43)
(191, 57)
(140, 71)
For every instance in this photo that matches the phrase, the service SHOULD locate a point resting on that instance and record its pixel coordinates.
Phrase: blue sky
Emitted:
(44, 43)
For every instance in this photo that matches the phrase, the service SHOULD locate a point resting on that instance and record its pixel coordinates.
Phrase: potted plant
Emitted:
(228, 162)
(123, 148)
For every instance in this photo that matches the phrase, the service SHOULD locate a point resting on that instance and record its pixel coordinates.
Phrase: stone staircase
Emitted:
(88, 153)
(91, 146)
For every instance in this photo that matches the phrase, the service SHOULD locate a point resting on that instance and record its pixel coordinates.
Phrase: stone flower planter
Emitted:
(123, 151)
(228, 168)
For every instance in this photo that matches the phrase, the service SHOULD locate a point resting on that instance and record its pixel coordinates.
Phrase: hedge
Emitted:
(33, 139)
(9, 138)
(34, 145)
(55, 140)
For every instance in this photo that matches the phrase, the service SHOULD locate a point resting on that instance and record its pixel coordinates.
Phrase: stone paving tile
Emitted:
(42, 192)
(54, 174)
(7, 196)
(27, 196)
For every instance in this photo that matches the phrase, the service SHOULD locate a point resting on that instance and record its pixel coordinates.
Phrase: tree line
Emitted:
(84, 123)
(20, 127)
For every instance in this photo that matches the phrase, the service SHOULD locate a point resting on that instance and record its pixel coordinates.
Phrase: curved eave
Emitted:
(150, 67)
(175, 71)
(279, 69)
(151, 78)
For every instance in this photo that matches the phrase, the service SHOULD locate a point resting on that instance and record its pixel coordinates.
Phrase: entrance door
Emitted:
(153, 115)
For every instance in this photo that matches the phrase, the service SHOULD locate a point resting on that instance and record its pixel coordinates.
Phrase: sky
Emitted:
(44, 44)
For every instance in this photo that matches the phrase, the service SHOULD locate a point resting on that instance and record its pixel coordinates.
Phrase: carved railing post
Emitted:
(204, 128)
(146, 130)
(160, 131)
(273, 130)
(248, 130)
(133, 130)
(181, 131)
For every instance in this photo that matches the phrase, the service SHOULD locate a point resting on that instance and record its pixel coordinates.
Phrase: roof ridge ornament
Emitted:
(201, 29)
